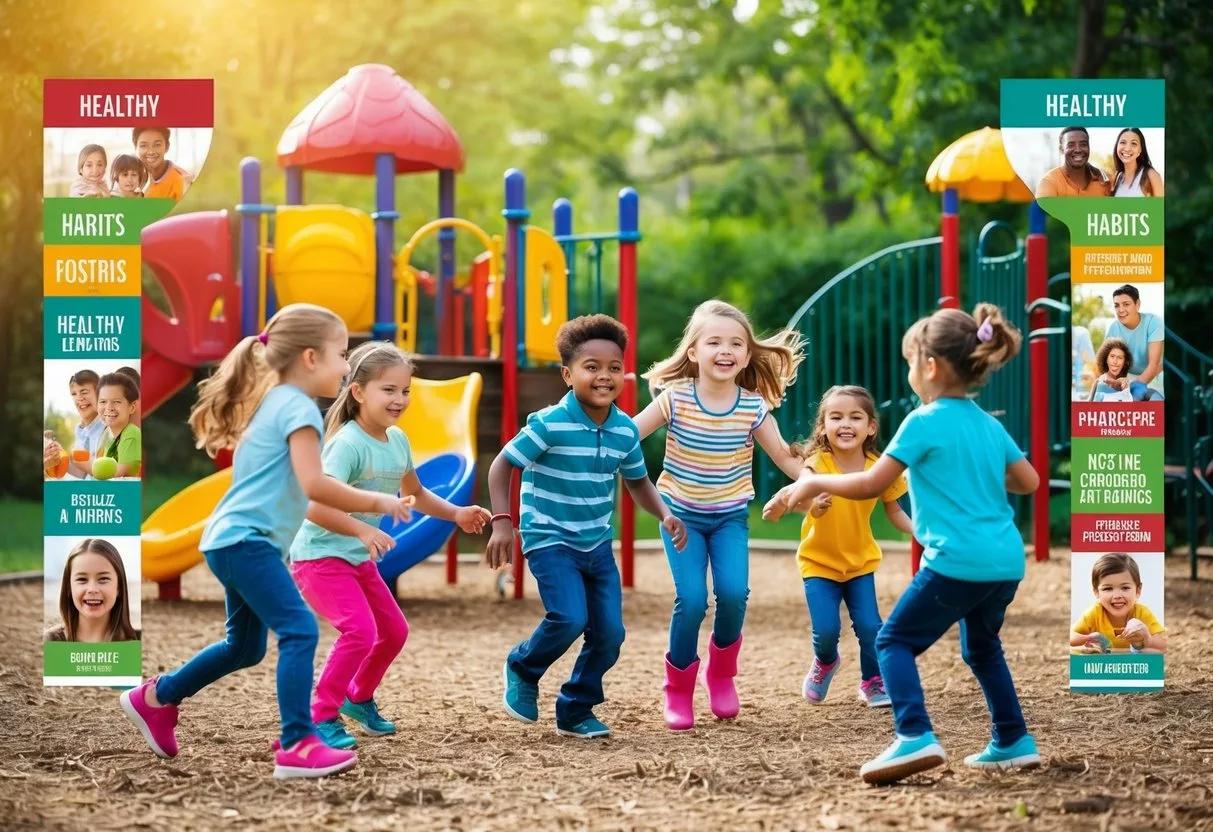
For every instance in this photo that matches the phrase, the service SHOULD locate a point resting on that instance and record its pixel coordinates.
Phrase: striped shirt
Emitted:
(708, 456)
(568, 479)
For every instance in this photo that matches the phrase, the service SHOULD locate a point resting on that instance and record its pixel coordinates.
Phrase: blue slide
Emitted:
(449, 476)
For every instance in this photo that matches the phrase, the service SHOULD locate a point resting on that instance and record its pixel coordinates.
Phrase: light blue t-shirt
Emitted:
(265, 501)
(958, 455)
(358, 459)
(1149, 330)
(89, 436)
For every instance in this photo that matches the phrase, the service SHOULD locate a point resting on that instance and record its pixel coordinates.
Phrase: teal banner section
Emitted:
(1065, 102)
(68, 221)
(1117, 673)
(91, 508)
(75, 327)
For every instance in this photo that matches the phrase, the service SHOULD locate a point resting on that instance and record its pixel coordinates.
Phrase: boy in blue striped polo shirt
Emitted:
(569, 454)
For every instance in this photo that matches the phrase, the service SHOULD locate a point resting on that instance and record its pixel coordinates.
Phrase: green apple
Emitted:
(104, 467)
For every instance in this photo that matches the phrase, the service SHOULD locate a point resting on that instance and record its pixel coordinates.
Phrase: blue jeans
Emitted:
(929, 607)
(825, 597)
(582, 595)
(1143, 392)
(260, 596)
(722, 542)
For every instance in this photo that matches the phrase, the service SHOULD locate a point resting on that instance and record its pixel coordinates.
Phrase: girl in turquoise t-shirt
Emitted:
(263, 398)
(962, 463)
(333, 557)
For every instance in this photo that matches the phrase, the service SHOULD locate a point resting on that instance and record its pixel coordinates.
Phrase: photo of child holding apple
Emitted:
(121, 452)
(94, 603)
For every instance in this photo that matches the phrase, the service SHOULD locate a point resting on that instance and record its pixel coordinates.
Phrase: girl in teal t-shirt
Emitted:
(962, 463)
(333, 557)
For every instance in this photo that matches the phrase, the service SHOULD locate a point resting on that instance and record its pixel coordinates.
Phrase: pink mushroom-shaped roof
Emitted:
(370, 111)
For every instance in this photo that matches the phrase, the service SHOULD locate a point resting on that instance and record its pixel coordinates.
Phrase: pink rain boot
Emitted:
(679, 690)
(718, 678)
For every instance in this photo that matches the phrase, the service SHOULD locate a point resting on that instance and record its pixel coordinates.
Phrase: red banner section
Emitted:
(1116, 419)
(128, 102)
(1118, 533)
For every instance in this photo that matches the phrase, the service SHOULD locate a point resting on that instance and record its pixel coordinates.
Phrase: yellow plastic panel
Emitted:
(547, 294)
(441, 417)
(325, 254)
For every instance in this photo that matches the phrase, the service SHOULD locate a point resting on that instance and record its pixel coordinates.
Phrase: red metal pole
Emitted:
(457, 339)
(452, 558)
(629, 235)
(1038, 354)
(949, 255)
(516, 215)
(480, 307)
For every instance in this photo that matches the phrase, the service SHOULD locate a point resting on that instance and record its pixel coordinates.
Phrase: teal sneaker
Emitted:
(333, 732)
(587, 729)
(521, 697)
(906, 756)
(367, 715)
(1020, 754)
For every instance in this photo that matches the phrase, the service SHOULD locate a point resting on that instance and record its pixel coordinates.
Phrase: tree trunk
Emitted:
(1090, 52)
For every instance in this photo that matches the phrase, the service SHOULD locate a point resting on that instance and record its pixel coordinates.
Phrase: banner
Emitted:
(1093, 153)
(118, 156)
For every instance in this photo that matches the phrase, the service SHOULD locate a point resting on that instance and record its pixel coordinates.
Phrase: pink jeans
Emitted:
(356, 601)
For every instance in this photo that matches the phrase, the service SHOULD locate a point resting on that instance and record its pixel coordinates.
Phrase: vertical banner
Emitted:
(118, 156)
(1093, 153)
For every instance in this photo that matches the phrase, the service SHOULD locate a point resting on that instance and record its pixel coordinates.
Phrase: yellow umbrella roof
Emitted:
(976, 165)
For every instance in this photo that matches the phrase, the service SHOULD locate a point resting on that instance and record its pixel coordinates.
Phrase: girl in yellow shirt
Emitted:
(838, 555)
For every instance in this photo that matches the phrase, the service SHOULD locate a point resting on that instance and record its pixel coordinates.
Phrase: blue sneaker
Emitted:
(872, 692)
(817, 682)
(906, 756)
(1020, 754)
(367, 715)
(334, 735)
(587, 729)
(521, 697)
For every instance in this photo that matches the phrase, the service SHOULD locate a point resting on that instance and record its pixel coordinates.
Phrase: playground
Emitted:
(71, 762)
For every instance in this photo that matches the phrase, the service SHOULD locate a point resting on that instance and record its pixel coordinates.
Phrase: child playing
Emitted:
(1114, 361)
(1117, 615)
(90, 165)
(93, 596)
(962, 463)
(714, 393)
(570, 453)
(83, 387)
(262, 396)
(128, 176)
(333, 556)
(838, 555)
(117, 401)
(165, 179)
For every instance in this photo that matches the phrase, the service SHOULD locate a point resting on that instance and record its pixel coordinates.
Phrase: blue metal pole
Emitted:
(516, 214)
(446, 261)
(250, 227)
(385, 217)
(294, 185)
(562, 226)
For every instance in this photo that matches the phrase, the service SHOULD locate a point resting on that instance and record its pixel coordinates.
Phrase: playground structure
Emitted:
(857, 318)
(489, 354)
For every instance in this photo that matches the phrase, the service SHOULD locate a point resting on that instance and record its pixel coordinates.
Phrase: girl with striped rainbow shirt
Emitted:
(714, 394)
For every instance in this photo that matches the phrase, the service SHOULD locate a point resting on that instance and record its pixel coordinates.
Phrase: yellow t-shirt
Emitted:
(839, 545)
(1095, 620)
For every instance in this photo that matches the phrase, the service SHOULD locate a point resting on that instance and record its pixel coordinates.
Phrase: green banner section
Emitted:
(1065, 102)
(68, 658)
(91, 508)
(83, 327)
(1104, 221)
(1108, 476)
(114, 221)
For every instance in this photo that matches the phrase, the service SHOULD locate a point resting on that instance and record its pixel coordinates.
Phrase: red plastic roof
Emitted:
(370, 111)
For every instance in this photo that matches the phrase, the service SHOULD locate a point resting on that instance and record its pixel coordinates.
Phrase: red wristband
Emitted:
(497, 517)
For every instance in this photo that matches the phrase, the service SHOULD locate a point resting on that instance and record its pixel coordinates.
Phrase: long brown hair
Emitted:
(773, 360)
(230, 397)
(1105, 349)
(819, 441)
(367, 363)
(120, 627)
(951, 335)
(1144, 165)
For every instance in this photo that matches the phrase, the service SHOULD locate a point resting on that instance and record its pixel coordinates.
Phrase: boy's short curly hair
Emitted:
(573, 334)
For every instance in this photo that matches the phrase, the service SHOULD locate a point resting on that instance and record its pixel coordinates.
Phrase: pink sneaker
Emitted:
(310, 757)
(158, 725)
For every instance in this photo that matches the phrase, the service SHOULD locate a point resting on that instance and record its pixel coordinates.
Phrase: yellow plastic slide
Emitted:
(441, 419)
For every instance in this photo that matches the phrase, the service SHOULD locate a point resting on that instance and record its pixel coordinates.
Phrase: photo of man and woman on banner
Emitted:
(153, 161)
(92, 428)
(1088, 162)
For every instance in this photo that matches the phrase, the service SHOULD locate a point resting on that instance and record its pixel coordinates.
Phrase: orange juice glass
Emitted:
(81, 456)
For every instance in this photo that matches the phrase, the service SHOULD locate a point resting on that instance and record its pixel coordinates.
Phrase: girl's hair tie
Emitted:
(264, 337)
(986, 331)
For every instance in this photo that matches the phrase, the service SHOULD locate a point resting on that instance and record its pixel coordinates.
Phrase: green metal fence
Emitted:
(853, 327)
